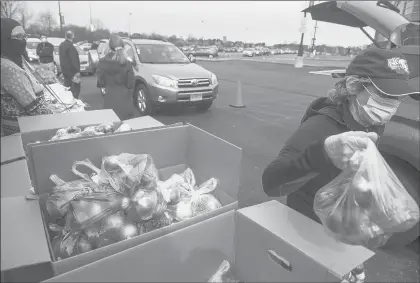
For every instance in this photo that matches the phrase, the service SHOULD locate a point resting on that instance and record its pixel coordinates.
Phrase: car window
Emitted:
(160, 54)
(32, 45)
(103, 48)
(129, 50)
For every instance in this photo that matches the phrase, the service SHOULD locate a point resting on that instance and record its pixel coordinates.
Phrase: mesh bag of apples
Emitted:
(366, 203)
(122, 200)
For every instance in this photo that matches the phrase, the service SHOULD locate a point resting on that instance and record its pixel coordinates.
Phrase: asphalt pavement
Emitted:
(276, 97)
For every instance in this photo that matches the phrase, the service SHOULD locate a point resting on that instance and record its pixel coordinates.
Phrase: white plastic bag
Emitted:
(366, 203)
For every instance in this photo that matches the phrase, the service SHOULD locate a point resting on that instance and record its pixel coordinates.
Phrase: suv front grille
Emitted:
(193, 83)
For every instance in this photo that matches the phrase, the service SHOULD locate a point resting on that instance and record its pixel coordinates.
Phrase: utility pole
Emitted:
(129, 24)
(299, 58)
(61, 19)
(314, 38)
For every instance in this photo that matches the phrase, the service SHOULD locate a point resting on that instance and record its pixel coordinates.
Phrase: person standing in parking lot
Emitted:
(116, 75)
(45, 51)
(70, 64)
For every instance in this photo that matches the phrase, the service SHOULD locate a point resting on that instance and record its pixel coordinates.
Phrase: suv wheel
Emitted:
(211, 56)
(204, 105)
(142, 101)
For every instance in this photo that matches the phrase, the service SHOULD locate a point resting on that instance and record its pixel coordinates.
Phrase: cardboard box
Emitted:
(24, 248)
(143, 123)
(302, 251)
(172, 148)
(15, 179)
(11, 149)
(43, 127)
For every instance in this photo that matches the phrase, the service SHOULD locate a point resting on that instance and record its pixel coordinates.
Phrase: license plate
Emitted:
(196, 97)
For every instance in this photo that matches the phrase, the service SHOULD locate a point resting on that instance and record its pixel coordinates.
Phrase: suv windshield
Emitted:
(160, 54)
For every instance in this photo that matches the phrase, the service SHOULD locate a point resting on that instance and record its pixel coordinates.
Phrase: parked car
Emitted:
(249, 52)
(85, 67)
(165, 76)
(203, 52)
(31, 44)
(399, 144)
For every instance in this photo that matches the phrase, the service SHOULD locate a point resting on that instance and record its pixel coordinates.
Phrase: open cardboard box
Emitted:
(15, 180)
(173, 149)
(268, 242)
(43, 127)
(11, 149)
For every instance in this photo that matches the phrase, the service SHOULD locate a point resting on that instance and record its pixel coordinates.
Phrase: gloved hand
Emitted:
(340, 148)
(76, 78)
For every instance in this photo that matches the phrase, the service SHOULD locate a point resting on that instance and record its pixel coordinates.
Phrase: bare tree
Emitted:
(9, 8)
(24, 15)
(47, 21)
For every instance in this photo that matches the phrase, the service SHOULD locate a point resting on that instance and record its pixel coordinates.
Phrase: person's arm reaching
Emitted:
(302, 158)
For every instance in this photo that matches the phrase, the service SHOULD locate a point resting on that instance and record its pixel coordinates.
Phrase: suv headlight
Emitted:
(164, 81)
(213, 79)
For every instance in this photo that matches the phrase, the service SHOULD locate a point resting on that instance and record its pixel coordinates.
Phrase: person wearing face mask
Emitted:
(70, 64)
(45, 51)
(21, 93)
(357, 107)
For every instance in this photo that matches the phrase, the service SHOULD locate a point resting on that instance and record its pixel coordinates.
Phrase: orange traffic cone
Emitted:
(238, 103)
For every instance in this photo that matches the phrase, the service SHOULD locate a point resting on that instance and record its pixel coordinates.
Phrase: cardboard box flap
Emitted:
(143, 123)
(11, 148)
(63, 120)
(307, 236)
(23, 241)
(191, 254)
(167, 148)
(205, 146)
(15, 179)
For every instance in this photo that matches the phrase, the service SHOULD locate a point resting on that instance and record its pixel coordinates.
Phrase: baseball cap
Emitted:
(387, 70)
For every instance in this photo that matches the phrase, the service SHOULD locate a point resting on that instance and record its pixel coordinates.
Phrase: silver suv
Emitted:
(166, 76)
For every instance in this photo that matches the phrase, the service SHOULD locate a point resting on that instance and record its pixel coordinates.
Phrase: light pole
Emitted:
(299, 58)
(129, 24)
(314, 38)
(91, 26)
(61, 20)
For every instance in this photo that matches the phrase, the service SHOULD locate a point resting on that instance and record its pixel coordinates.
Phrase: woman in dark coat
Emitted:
(115, 74)
(357, 107)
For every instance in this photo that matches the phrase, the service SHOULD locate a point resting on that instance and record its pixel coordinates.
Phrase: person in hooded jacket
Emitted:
(21, 93)
(70, 64)
(45, 51)
(116, 75)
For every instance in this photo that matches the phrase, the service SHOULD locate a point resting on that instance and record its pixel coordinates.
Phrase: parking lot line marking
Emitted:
(327, 72)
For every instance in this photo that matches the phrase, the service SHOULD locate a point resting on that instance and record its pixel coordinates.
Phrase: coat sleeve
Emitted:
(74, 60)
(130, 76)
(38, 49)
(101, 76)
(302, 158)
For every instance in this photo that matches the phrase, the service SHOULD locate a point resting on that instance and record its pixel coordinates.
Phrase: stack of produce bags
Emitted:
(102, 129)
(121, 200)
(367, 203)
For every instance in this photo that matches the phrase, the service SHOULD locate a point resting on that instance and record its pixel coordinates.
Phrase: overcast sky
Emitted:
(250, 21)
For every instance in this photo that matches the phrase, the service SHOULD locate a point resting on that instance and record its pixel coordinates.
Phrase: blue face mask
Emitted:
(377, 111)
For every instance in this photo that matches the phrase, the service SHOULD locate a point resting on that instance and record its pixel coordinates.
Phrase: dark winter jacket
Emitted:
(302, 166)
(45, 51)
(69, 59)
(118, 82)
